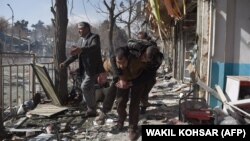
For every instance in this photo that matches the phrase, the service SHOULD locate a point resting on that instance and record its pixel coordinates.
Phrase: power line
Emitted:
(95, 7)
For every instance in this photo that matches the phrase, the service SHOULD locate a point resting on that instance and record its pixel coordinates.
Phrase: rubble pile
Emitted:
(70, 124)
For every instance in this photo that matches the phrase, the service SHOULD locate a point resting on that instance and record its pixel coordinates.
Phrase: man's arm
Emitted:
(68, 61)
(94, 44)
(92, 47)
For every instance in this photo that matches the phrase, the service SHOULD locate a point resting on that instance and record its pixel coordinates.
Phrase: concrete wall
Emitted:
(231, 51)
(204, 32)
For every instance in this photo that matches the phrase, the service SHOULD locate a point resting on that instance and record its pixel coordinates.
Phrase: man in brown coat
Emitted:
(131, 67)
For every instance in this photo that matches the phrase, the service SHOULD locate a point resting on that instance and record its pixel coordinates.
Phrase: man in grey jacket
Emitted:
(88, 51)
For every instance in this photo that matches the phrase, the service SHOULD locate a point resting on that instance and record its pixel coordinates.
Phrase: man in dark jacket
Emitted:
(149, 75)
(88, 52)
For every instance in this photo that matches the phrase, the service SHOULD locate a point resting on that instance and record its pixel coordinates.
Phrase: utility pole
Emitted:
(1, 94)
(11, 45)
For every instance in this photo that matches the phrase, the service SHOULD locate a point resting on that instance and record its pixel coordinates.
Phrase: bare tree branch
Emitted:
(53, 22)
(53, 11)
(125, 9)
(120, 20)
(72, 6)
(102, 11)
(85, 11)
(107, 6)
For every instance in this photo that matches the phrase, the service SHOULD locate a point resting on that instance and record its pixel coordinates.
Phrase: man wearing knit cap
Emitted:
(88, 51)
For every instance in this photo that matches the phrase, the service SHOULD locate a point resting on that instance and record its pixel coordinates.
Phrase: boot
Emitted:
(144, 107)
(143, 110)
(133, 134)
(146, 104)
(117, 128)
(100, 120)
(90, 113)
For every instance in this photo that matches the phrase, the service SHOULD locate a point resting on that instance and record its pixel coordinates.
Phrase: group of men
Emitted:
(133, 68)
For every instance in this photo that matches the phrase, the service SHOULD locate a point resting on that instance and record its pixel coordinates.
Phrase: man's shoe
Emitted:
(90, 114)
(115, 105)
(117, 128)
(100, 120)
(143, 110)
(146, 104)
(133, 134)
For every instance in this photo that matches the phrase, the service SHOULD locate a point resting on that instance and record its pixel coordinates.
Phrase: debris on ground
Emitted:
(69, 123)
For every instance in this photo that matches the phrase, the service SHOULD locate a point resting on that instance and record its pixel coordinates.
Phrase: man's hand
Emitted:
(75, 50)
(122, 84)
(62, 65)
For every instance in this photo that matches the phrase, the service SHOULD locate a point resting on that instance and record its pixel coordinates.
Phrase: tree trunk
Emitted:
(129, 19)
(111, 29)
(111, 26)
(129, 30)
(61, 22)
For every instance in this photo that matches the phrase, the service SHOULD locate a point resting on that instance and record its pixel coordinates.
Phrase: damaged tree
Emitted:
(112, 20)
(133, 14)
(60, 22)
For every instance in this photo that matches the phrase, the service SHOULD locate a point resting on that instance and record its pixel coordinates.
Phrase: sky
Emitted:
(35, 10)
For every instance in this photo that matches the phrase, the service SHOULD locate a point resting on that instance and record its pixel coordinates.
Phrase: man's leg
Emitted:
(88, 87)
(144, 96)
(134, 109)
(109, 98)
(107, 103)
(122, 99)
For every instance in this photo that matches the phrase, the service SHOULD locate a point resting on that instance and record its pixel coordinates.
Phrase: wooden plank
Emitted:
(231, 107)
(46, 82)
(238, 109)
(47, 110)
(242, 102)
(221, 94)
(208, 89)
(20, 122)
(24, 130)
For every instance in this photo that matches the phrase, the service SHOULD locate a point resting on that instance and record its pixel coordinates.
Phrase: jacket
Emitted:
(134, 69)
(90, 59)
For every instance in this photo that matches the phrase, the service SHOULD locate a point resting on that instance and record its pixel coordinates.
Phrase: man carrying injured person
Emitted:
(129, 84)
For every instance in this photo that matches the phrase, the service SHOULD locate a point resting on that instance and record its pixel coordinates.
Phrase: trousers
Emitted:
(123, 96)
(88, 89)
